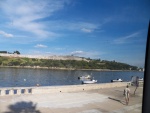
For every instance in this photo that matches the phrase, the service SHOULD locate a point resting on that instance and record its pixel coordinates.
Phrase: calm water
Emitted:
(13, 77)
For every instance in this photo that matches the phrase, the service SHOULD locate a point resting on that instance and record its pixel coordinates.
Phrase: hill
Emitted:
(67, 64)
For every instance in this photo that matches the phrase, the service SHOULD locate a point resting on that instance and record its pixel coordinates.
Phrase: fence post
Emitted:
(18, 91)
(3, 92)
(11, 92)
(26, 91)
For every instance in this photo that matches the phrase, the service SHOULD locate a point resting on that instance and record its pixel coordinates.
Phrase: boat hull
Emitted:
(89, 82)
(116, 80)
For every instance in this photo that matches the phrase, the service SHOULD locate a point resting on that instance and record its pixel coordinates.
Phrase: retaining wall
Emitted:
(15, 91)
(56, 89)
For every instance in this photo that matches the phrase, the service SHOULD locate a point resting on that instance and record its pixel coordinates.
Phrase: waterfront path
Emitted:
(107, 100)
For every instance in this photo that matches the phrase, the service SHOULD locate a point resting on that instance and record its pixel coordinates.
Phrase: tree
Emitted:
(17, 52)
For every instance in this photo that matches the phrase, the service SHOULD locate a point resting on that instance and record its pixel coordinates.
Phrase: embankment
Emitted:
(57, 89)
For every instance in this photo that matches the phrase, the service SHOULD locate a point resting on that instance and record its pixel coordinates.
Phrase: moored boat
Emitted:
(85, 77)
(140, 79)
(118, 80)
(89, 81)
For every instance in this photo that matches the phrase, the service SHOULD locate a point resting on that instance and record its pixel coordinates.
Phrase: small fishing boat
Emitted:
(85, 77)
(91, 81)
(140, 79)
(118, 80)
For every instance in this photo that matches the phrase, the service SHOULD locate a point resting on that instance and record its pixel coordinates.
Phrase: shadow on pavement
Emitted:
(119, 91)
(117, 100)
(23, 107)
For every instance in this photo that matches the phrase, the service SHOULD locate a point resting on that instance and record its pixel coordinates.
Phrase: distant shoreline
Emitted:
(58, 68)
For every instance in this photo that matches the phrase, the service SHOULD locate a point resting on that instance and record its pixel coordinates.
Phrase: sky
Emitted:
(96, 29)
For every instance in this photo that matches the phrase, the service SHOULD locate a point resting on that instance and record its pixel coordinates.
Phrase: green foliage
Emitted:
(92, 64)
(3, 51)
(17, 52)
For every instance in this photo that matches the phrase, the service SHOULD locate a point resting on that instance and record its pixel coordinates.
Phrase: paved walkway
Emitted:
(109, 100)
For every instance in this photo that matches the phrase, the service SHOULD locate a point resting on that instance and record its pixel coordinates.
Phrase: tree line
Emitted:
(15, 52)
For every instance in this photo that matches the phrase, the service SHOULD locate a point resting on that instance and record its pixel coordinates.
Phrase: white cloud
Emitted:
(77, 52)
(24, 14)
(84, 26)
(60, 48)
(86, 30)
(40, 46)
(8, 35)
(79, 26)
(126, 38)
(91, 54)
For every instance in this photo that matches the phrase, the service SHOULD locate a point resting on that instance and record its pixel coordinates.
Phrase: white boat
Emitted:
(85, 77)
(136, 81)
(140, 79)
(118, 80)
(89, 81)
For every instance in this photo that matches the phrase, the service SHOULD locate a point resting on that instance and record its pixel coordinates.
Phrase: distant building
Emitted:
(141, 69)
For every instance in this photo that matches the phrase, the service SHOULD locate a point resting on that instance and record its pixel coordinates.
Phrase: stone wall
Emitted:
(57, 89)
(54, 57)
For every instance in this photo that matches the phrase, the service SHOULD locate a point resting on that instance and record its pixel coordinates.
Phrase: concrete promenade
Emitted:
(94, 100)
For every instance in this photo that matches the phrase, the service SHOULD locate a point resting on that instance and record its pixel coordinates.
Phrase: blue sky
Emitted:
(105, 29)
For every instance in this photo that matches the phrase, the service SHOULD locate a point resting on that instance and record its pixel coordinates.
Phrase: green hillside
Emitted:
(92, 64)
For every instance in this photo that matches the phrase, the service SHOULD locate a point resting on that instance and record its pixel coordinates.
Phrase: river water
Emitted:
(22, 77)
